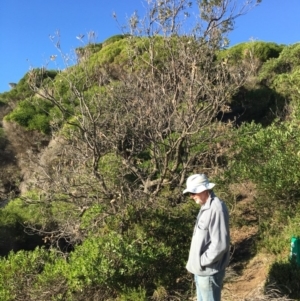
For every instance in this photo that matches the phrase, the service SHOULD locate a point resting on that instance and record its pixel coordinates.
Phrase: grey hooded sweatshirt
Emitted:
(210, 246)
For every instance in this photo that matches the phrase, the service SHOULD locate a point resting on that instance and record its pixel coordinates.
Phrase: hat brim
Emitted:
(199, 189)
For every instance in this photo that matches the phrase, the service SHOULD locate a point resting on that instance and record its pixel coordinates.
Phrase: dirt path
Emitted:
(248, 273)
(250, 284)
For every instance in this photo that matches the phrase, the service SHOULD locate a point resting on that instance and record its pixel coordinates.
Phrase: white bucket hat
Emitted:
(198, 183)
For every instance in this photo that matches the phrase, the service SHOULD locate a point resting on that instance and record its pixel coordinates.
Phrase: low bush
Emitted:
(134, 256)
(33, 115)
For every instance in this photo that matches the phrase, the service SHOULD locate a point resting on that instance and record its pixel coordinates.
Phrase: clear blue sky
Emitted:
(25, 26)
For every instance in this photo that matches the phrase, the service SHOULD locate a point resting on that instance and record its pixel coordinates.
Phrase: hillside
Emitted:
(95, 157)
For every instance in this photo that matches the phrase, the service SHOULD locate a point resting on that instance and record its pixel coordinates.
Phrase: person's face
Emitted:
(200, 198)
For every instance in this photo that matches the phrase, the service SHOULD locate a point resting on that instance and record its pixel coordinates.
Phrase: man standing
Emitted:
(210, 246)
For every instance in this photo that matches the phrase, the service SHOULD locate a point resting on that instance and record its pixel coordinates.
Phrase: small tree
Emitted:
(138, 116)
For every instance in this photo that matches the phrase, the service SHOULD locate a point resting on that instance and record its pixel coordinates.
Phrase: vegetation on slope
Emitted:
(134, 118)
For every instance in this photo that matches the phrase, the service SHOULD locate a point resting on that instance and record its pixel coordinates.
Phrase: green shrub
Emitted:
(23, 90)
(279, 230)
(288, 60)
(110, 52)
(128, 261)
(33, 115)
(262, 156)
(88, 50)
(19, 272)
(133, 294)
(263, 51)
(17, 212)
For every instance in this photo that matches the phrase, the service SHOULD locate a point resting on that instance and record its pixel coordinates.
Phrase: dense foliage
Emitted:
(130, 121)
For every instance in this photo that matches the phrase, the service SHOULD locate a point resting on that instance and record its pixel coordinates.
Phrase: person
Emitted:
(210, 246)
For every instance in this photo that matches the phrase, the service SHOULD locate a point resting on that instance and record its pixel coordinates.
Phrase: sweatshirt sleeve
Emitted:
(219, 235)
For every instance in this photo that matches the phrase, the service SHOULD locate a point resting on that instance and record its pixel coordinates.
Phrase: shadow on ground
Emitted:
(286, 276)
(242, 251)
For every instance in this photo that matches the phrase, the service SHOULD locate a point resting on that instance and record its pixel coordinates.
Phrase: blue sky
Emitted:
(25, 27)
